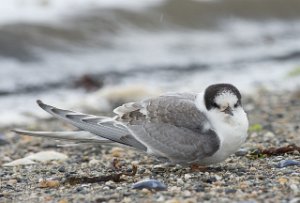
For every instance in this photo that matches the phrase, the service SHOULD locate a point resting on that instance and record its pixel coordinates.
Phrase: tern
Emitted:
(181, 128)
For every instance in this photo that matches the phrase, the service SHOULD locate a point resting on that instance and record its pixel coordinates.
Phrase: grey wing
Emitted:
(179, 145)
(102, 126)
(171, 126)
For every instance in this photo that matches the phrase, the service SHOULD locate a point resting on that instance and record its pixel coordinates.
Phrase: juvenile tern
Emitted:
(182, 128)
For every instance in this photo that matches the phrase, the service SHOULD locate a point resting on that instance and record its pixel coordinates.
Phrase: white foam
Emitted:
(51, 10)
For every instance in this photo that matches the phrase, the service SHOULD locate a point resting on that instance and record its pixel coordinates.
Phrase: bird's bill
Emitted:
(228, 111)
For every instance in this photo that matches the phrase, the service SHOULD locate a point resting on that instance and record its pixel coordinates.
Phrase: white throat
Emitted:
(231, 130)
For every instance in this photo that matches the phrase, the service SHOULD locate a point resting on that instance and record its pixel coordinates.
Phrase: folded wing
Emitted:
(171, 126)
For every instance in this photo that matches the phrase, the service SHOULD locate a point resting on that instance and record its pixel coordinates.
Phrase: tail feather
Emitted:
(105, 127)
(78, 136)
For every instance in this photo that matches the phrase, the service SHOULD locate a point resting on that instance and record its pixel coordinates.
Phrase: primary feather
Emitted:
(104, 127)
(78, 136)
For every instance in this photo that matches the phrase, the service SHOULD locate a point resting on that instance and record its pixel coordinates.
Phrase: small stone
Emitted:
(187, 176)
(19, 162)
(282, 180)
(180, 181)
(175, 189)
(47, 156)
(62, 169)
(93, 162)
(49, 184)
(172, 201)
(12, 181)
(210, 180)
(269, 135)
(63, 201)
(79, 189)
(187, 193)
(40, 157)
(229, 191)
(3, 141)
(141, 170)
(218, 178)
(241, 152)
(149, 184)
(117, 151)
(161, 199)
(158, 169)
(199, 188)
(109, 183)
(294, 188)
(244, 185)
(285, 163)
(295, 200)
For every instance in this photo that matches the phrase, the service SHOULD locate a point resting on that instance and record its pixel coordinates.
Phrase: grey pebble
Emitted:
(285, 163)
(241, 152)
(229, 191)
(151, 184)
(62, 169)
(3, 141)
(158, 169)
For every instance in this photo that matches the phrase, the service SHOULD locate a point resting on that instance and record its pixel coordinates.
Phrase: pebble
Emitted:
(40, 157)
(269, 135)
(295, 188)
(49, 184)
(3, 141)
(19, 162)
(187, 193)
(175, 189)
(93, 162)
(158, 168)
(151, 184)
(187, 176)
(229, 191)
(62, 169)
(47, 156)
(285, 163)
(180, 181)
(241, 152)
(229, 181)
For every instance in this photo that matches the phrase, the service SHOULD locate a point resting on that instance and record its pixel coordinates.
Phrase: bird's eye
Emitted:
(236, 105)
(216, 105)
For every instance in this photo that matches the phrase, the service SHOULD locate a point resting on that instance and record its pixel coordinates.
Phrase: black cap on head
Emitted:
(217, 89)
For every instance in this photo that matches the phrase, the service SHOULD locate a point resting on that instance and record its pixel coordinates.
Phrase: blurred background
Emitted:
(90, 53)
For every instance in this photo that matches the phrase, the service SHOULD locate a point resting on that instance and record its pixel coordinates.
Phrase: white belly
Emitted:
(228, 146)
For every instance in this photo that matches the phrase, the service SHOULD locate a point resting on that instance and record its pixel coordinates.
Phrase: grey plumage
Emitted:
(171, 126)
(168, 126)
(102, 126)
(77, 136)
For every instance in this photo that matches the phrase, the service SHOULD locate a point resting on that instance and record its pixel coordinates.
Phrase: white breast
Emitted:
(232, 131)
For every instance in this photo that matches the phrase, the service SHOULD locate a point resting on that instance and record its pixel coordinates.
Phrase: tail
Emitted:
(78, 136)
(98, 128)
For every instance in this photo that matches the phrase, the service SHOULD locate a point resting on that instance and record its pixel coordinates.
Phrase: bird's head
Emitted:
(225, 99)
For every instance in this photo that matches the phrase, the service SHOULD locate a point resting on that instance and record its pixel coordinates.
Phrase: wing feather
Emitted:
(98, 125)
(172, 126)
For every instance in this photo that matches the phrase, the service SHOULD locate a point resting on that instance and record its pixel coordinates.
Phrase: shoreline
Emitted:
(274, 122)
